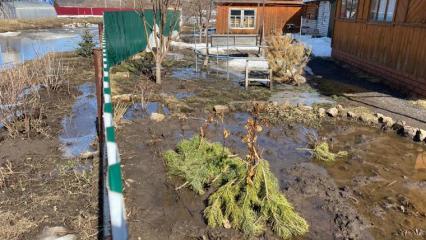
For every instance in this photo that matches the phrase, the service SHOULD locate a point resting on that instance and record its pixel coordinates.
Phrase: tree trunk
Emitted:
(206, 58)
(158, 71)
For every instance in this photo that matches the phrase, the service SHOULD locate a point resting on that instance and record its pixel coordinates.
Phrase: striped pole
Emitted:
(114, 179)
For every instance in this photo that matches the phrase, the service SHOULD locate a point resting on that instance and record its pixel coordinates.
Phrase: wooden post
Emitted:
(101, 33)
(247, 74)
(270, 79)
(97, 60)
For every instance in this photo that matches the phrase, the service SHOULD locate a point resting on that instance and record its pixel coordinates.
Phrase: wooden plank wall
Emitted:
(396, 50)
(277, 16)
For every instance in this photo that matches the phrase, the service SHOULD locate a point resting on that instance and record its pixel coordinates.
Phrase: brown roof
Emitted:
(289, 2)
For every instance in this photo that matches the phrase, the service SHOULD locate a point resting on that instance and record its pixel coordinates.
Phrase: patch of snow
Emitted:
(308, 70)
(240, 64)
(9, 34)
(321, 47)
(201, 47)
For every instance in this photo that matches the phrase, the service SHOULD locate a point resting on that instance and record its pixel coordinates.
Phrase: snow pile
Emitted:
(321, 47)
(240, 64)
(201, 47)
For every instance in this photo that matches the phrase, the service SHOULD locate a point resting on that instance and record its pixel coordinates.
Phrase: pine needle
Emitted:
(249, 208)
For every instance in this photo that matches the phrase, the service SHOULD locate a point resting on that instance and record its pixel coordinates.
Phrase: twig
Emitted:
(181, 186)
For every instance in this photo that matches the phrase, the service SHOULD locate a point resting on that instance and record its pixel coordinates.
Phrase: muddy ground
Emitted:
(40, 187)
(374, 193)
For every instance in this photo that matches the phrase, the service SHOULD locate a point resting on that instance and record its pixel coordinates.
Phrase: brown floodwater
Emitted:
(387, 175)
(374, 193)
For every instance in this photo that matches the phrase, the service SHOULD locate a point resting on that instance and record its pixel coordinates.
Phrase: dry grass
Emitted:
(14, 224)
(10, 25)
(20, 107)
(120, 109)
(287, 59)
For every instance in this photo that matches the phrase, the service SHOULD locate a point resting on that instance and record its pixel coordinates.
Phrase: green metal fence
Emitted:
(125, 32)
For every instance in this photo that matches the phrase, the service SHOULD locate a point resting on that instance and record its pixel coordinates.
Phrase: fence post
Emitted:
(97, 60)
(101, 32)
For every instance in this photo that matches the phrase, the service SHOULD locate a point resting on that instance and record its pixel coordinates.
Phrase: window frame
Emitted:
(242, 17)
(375, 19)
(354, 18)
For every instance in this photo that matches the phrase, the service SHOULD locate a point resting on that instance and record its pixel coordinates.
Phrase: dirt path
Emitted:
(359, 88)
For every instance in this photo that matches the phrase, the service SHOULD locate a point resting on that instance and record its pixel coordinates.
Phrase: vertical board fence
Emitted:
(124, 35)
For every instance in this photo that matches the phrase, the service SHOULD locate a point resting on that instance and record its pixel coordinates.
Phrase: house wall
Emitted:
(395, 51)
(276, 17)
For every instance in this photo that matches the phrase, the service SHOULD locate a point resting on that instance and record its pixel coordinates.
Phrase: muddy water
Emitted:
(17, 47)
(79, 129)
(387, 177)
(375, 193)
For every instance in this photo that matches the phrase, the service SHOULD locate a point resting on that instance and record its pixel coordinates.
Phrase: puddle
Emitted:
(17, 47)
(183, 95)
(79, 129)
(137, 111)
(294, 96)
(383, 173)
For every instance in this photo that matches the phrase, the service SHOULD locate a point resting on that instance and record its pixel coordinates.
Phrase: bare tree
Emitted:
(202, 11)
(166, 17)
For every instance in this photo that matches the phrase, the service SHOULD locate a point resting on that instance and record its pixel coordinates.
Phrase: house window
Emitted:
(348, 9)
(382, 10)
(240, 18)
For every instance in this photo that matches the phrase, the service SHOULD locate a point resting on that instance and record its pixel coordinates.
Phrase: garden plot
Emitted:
(374, 191)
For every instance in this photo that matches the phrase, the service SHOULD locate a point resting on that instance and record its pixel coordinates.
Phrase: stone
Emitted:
(299, 79)
(387, 121)
(339, 107)
(379, 115)
(221, 108)
(321, 112)
(399, 125)
(305, 108)
(410, 132)
(56, 233)
(368, 118)
(421, 135)
(88, 155)
(157, 117)
(351, 114)
(332, 112)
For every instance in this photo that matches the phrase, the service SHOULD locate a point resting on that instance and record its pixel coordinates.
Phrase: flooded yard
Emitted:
(18, 47)
(376, 192)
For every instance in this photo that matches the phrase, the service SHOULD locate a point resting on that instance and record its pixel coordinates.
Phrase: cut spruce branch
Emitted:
(248, 207)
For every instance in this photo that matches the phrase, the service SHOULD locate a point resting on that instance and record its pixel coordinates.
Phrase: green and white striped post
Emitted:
(114, 177)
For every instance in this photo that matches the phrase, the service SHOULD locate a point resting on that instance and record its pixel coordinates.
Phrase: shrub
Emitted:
(86, 44)
(287, 59)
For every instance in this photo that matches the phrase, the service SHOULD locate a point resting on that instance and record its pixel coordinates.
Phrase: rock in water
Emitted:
(332, 112)
(321, 112)
(220, 108)
(410, 132)
(157, 117)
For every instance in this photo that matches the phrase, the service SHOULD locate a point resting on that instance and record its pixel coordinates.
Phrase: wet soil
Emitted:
(374, 193)
(39, 186)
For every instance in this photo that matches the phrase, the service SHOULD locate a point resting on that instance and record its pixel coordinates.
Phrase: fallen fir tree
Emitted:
(246, 196)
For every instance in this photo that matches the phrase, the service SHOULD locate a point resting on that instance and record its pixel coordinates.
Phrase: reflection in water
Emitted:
(79, 129)
(17, 47)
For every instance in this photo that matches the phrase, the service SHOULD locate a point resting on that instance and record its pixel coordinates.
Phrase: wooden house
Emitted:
(384, 37)
(255, 16)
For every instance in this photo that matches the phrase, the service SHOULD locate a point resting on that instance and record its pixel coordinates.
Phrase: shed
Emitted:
(317, 15)
(26, 10)
(384, 37)
(255, 16)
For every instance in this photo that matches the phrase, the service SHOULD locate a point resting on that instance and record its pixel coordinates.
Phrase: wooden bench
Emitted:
(248, 80)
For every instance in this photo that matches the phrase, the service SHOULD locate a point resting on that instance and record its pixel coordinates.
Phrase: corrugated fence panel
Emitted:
(125, 32)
